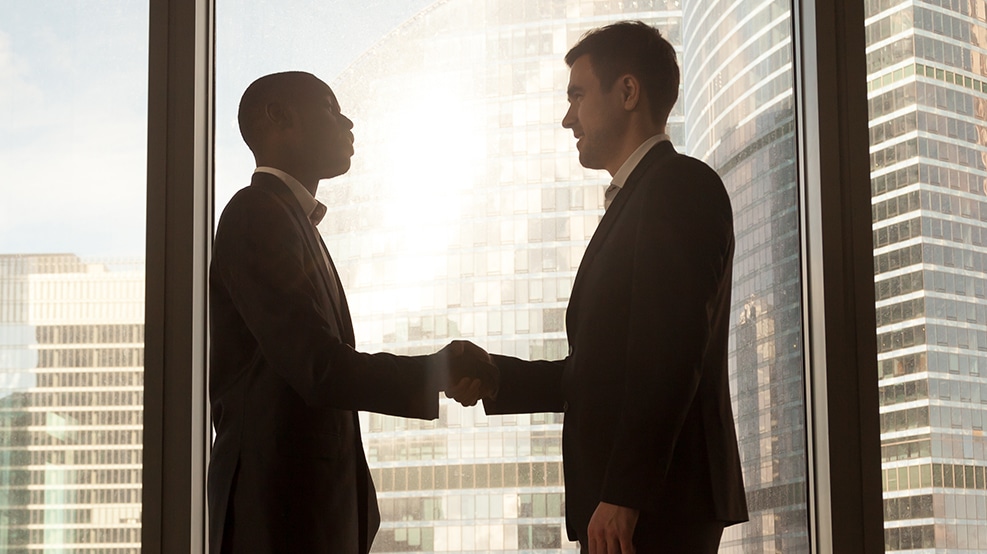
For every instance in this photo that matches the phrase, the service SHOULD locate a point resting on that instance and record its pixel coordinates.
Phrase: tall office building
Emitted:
(740, 118)
(466, 214)
(71, 376)
(927, 88)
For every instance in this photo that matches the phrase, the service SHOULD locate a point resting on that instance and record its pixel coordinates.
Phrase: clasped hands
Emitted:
(469, 373)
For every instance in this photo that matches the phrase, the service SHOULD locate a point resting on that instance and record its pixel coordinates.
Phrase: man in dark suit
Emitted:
(649, 446)
(287, 472)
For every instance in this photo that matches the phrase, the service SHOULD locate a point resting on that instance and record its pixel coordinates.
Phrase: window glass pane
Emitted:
(466, 214)
(925, 86)
(73, 96)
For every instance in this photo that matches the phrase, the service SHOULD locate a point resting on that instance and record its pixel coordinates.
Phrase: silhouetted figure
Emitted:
(288, 473)
(649, 447)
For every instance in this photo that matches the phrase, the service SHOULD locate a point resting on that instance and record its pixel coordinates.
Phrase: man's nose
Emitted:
(569, 119)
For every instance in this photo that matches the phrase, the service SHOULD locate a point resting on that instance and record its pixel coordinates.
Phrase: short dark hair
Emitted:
(633, 47)
(287, 87)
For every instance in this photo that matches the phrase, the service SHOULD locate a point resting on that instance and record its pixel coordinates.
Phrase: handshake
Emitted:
(466, 372)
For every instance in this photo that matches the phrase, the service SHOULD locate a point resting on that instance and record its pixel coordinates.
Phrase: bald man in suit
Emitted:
(287, 472)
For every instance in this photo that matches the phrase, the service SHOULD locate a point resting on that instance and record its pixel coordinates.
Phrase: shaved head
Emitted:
(287, 89)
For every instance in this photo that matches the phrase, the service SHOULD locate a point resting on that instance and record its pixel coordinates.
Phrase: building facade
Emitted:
(927, 88)
(71, 410)
(475, 225)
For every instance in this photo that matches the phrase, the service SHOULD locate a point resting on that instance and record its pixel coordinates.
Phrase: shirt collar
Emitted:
(635, 158)
(312, 208)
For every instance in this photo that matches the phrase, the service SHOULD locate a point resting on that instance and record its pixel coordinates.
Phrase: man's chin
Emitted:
(588, 162)
(338, 169)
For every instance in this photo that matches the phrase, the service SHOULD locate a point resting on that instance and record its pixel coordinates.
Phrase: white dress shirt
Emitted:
(628, 166)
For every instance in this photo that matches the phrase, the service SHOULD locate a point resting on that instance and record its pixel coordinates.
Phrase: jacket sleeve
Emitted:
(527, 386)
(682, 248)
(262, 262)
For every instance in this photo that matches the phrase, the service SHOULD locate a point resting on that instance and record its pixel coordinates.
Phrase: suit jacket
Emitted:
(287, 471)
(648, 421)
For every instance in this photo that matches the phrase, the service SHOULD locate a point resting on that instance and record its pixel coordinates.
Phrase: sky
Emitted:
(73, 106)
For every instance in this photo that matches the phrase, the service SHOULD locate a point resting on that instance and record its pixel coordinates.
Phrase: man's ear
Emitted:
(630, 91)
(279, 115)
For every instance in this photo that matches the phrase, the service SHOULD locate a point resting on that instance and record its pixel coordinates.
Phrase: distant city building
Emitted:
(466, 214)
(71, 405)
(927, 87)
(740, 118)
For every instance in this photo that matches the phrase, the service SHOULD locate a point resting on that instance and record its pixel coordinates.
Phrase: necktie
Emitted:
(609, 195)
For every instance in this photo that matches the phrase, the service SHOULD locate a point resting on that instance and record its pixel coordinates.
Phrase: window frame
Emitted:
(843, 446)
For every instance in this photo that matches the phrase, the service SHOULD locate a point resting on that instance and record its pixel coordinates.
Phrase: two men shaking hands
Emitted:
(649, 449)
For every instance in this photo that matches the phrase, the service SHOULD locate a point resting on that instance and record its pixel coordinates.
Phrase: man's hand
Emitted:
(470, 374)
(611, 529)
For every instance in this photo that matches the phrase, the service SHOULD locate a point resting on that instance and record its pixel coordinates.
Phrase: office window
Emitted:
(929, 200)
(73, 135)
(466, 212)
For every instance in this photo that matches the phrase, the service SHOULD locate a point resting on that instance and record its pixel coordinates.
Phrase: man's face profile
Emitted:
(323, 134)
(593, 115)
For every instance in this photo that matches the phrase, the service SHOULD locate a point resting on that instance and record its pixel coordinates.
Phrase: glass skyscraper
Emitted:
(466, 214)
(740, 118)
(927, 87)
(71, 414)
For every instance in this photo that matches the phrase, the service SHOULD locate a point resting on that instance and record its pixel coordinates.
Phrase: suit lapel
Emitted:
(315, 246)
(657, 153)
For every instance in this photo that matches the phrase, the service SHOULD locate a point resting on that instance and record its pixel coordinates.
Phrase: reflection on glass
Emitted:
(927, 87)
(72, 147)
(466, 214)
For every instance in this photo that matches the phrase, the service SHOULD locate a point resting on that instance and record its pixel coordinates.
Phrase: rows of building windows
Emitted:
(91, 398)
(69, 536)
(937, 176)
(103, 379)
(897, 232)
(943, 256)
(469, 476)
(958, 231)
(944, 52)
(952, 309)
(925, 147)
(900, 311)
(907, 507)
(934, 124)
(926, 94)
(514, 537)
(901, 338)
(899, 285)
(90, 357)
(90, 334)
(531, 442)
(911, 448)
(874, 7)
(94, 476)
(87, 457)
(471, 506)
(889, 55)
(94, 415)
(909, 538)
(950, 476)
(900, 420)
(908, 364)
(959, 417)
(904, 392)
(943, 24)
(62, 436)
(886, 27)
(115, 495)
(956, 337)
